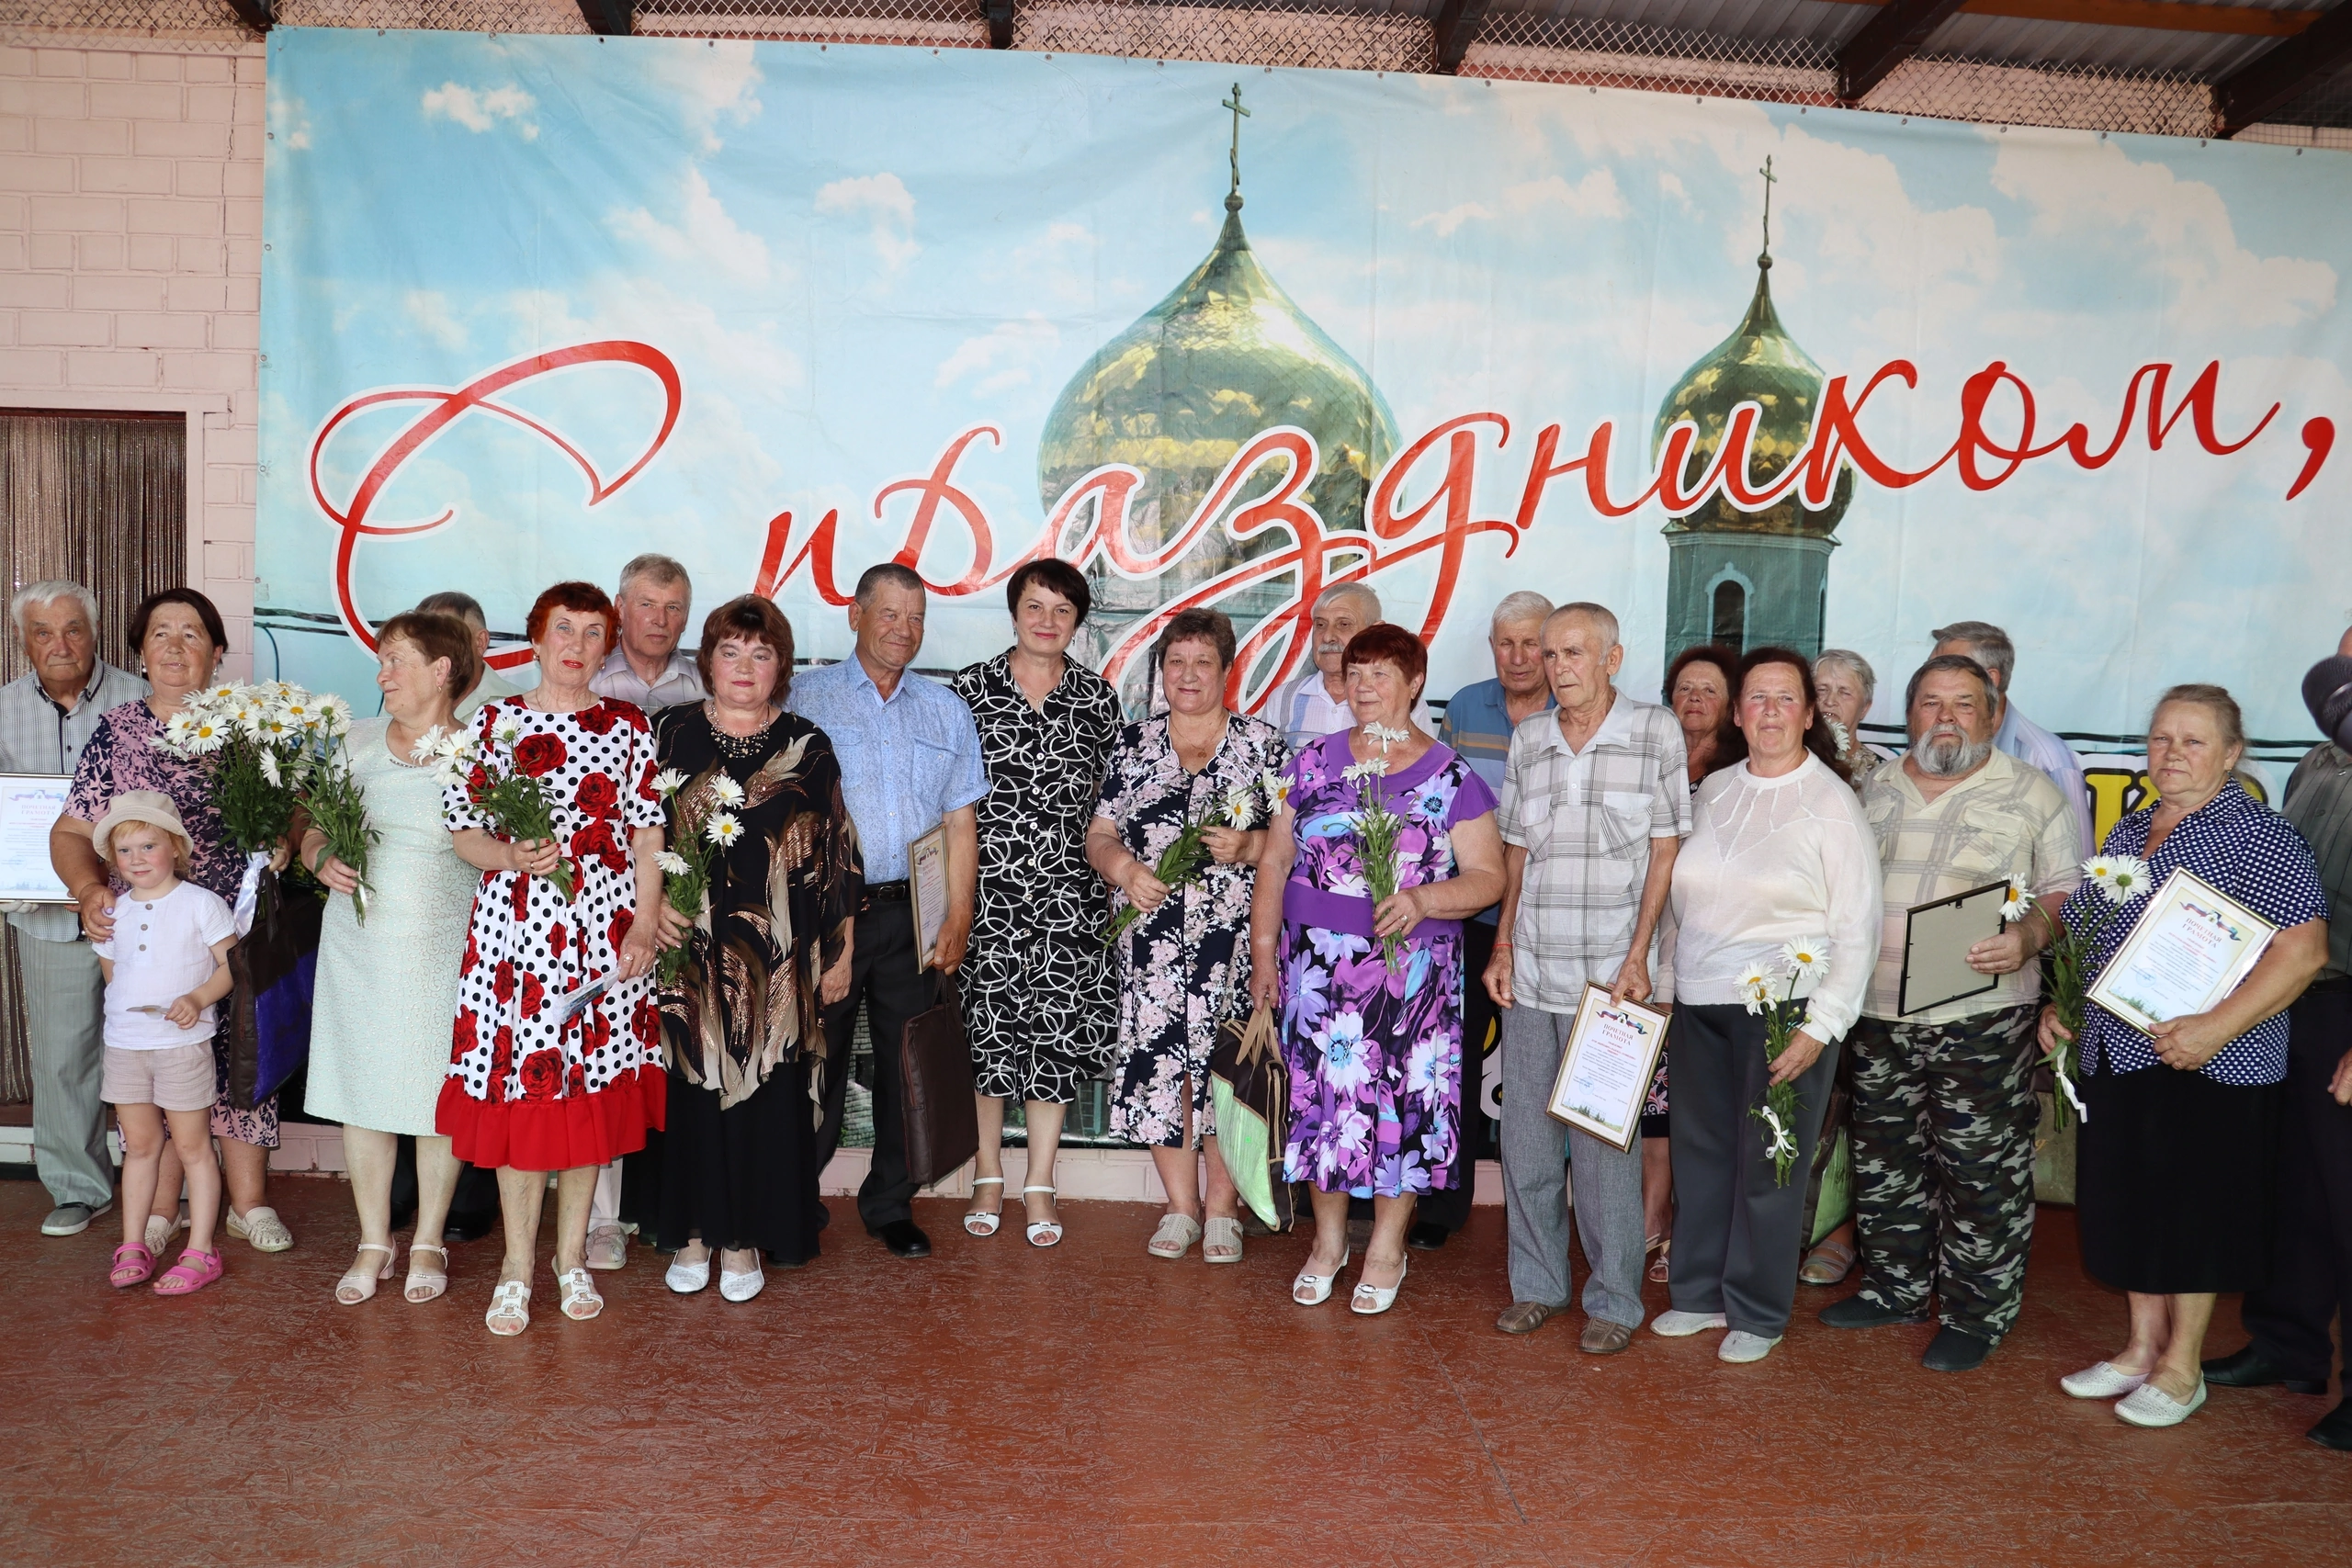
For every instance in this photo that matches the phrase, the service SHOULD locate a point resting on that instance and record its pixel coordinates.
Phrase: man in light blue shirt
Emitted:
(910, 761)
(1478, 725)
(2019, 736)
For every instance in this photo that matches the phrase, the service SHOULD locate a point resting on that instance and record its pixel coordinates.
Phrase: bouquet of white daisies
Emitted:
(1783, 1016)
(2119, 879)
(274, 745)
(702, 826)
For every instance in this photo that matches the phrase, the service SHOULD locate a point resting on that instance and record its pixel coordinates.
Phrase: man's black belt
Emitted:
(896, 891)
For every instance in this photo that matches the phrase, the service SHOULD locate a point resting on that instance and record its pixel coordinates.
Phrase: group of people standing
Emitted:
(1553, 833)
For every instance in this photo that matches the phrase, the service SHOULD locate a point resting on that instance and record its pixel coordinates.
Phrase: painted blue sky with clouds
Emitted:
(853, 254)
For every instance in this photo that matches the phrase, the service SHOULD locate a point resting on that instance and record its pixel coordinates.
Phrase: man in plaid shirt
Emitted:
(1595, 801)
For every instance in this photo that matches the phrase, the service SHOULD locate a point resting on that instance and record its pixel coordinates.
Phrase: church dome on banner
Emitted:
(1224, 356)
(1747, 579)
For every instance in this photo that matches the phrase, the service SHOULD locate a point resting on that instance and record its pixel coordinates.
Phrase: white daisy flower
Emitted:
(673, 864)
(1242, 808)
(668, 782)
(728, 792)
(270, 769)
(723, 830)
(507, 731)
(1808, 960)
(2017, 904)
(2119, 878)
(1385, 735)
(1754, 987)
(428, 746)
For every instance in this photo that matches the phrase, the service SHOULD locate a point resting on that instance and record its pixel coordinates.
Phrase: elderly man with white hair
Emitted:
(648, 668)
(1315, 703)
(1478, 725)
(1596, 800)
(46, 717)
(2019, 736)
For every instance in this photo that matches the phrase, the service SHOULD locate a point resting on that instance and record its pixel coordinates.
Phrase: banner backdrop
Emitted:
(1225, 336)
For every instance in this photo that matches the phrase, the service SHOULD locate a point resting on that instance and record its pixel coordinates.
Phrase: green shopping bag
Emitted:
(1249, 1107)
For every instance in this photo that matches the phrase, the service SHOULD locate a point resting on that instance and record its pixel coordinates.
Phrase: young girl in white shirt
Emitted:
(165, 967)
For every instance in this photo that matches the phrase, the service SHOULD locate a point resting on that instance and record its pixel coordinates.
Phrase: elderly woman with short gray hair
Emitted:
(1846, 684)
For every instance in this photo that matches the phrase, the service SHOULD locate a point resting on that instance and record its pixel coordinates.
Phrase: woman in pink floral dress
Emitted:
(541, 1079)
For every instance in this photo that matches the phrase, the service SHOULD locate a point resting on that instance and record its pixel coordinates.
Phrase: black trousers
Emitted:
(2311, 1269)
(1736, 1241)
(883, 979)
(1450, 1205)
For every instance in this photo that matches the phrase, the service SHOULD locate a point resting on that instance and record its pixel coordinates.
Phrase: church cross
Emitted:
(1234, 103)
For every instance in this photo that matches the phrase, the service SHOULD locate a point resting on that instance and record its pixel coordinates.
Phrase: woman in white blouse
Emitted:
(1779, 854)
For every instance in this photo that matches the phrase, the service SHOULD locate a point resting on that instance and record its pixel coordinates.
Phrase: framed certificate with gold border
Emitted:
(2189, 949)
(1605, 1072)
(927, 892)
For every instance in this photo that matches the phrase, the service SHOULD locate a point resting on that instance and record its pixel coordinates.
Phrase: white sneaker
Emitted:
(73, 1219)
(1678, 1325)
(2102, 1380)
(741, 1287)
(2149, 1405)
(1741, 1346)
(608, 1247)
(687, 1278)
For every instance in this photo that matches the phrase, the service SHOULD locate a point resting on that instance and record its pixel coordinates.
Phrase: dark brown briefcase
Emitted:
(940, 1123)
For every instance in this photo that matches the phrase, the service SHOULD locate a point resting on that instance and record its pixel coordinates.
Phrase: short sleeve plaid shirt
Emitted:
(1586, 820)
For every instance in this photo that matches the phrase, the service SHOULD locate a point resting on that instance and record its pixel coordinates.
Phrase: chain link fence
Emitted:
(1516, 45)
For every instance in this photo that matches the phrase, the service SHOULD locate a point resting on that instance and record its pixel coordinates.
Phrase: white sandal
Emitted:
(359, 1283)
(511, 1302)
(1371, 1301)
(1175, 1236)
(260, 1227)
(1041, 1233)
(1318, 1287)
(579, 1290)
(1223, 1242)
(977, 1223)
(433, 1284)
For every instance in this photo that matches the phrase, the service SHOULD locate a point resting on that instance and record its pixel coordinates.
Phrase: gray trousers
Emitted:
(64, 1002)
(1607, 1189)
(1735, 1232)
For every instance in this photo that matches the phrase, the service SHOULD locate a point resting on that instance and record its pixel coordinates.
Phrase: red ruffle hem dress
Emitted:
(527, 1086)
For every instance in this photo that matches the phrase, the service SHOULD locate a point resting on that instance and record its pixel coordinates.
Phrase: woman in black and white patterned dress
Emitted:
(1040, 1004)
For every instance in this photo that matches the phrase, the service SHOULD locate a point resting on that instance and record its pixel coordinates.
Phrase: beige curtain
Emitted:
(102, 500)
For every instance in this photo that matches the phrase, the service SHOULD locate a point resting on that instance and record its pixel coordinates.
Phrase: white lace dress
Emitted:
(380, 1019)
(1774, 860)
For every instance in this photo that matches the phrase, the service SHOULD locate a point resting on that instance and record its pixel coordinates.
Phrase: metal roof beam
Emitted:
(1885, 41)
(614, 19)
(2278, 76)
(999, 15)
(2160, 15)
(1456, 26)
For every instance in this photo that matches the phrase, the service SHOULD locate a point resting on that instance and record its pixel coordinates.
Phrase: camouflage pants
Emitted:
(1943, 1124)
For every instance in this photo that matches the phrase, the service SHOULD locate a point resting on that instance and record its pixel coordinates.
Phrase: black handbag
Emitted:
(268, 1009)
(940, 1121)
(1249, 1099)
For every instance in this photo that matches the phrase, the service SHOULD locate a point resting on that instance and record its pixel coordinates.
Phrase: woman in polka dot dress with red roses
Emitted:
(532, 1088)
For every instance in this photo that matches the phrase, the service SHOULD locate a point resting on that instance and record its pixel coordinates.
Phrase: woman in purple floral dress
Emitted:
(1184, 964)
(1374, 1048)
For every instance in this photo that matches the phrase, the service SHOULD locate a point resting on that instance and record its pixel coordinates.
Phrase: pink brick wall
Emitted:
(131, 262)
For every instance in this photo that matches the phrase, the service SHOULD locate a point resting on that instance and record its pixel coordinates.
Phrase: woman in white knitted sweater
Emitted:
(1779, 860)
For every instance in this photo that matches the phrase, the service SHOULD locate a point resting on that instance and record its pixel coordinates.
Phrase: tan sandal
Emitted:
(1659, 1267)
(1223, 1242)
(433, 1284)
(1828, 1264)
(1175, 1236)
(359, 1284)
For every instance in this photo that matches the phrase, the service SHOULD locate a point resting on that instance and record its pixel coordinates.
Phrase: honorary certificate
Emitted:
(30, 805)
(1936, 940)
(927, 884)
(1612, 1051)
(2190, 947)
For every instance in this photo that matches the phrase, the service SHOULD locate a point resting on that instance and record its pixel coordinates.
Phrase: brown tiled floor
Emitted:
(1087, 1405)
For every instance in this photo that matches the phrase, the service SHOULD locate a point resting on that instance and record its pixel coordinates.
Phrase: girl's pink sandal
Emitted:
(133, 1265)
(191, 1274)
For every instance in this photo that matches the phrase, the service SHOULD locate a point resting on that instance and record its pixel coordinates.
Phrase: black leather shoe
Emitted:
(1427, 1236)
(1955, 1350)
(2334, 1429)
(1861, 1311)
(2252, 1369)
(468, 1228)
(904, 1238)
